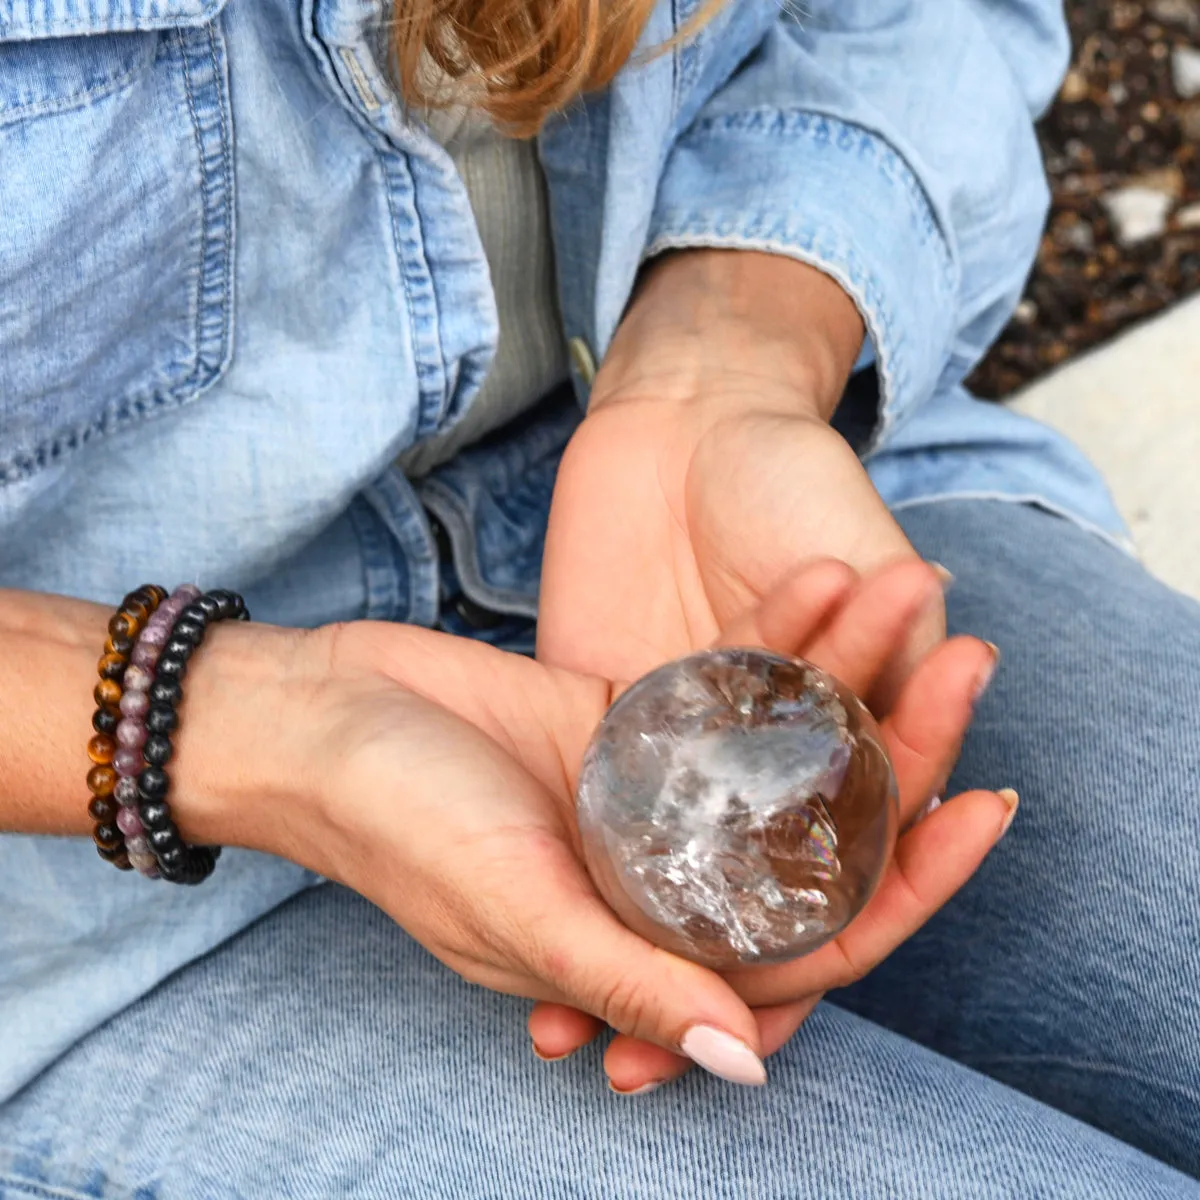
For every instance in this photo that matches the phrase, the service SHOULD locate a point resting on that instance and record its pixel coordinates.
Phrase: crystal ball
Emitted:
(737, 807)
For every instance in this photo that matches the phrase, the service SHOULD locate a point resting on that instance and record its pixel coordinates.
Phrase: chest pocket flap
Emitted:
(116, 218)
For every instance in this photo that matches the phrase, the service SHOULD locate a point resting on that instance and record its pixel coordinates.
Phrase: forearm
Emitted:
(774, 330)
(228, 762)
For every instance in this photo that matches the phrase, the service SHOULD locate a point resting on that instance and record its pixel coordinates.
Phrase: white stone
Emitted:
(1138, 213)
(1185, 71)
(1189, 217)
(1132, 407)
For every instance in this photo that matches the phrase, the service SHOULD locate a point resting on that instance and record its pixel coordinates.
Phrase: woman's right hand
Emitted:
(436, 777)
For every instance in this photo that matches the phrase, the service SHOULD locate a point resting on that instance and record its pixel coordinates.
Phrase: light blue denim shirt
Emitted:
(236, 279)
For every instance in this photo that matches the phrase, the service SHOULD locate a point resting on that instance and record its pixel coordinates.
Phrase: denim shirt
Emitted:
(237, 279)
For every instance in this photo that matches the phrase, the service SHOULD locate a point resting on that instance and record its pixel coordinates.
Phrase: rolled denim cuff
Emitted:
(835, 196)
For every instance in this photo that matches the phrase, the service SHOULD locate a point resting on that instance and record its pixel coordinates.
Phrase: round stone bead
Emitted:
(208, 606)
(145, 864)
(189, 631)
(107, 836)
(155, 814)
(156, 632)
(144, 654)
(138, 678)
(737, 807)
(164, 838)
(153, 784)
(101, 780)
(107, 693)
(132, 732)
(102, 808)
(157, 750)
(166, 692)
(124, 624)
(138, 605)
(122, 645)
(162, 718)
(171, 667)
(112, 666)
(195, 613)
(128, 762)
(101, 748)
(129, 823)
(178, 647)
(172, 858)
(106, 720)
(126, 791)
(135, 704)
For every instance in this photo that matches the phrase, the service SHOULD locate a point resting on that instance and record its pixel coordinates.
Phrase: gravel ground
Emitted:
(1122, 148)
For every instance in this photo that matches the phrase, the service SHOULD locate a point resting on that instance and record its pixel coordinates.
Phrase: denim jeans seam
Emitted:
(1119, 542)
(985, 1063)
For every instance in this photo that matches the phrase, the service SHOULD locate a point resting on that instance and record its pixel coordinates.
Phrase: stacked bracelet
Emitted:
(132, 732)
(136, 609)
(139, 742)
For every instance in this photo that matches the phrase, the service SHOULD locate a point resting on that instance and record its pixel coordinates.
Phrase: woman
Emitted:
(275, 319)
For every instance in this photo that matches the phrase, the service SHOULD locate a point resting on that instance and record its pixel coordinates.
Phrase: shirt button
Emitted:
(582, 360)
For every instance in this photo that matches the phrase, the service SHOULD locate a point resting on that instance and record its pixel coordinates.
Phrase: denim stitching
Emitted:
(17, 30)
(48, 108)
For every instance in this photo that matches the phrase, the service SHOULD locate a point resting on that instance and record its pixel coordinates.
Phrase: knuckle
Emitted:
(627, 1004)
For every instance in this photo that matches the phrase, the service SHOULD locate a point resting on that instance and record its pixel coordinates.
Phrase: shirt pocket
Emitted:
(116, 218)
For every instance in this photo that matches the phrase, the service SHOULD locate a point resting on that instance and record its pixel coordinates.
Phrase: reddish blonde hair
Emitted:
(517, 60)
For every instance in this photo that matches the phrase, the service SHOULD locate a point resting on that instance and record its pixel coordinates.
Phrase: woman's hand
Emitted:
(932, 859)
(706, 470)
(436, 776)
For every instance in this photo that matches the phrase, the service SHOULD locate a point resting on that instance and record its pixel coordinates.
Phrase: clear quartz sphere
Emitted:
(737, 807)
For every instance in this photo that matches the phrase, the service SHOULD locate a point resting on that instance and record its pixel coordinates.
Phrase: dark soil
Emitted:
(1117, 122)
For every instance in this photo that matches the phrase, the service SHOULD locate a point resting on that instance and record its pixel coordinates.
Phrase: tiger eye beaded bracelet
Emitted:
(135, 610)
(151, 638)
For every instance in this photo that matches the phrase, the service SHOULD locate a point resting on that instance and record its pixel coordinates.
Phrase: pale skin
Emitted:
(436, 775)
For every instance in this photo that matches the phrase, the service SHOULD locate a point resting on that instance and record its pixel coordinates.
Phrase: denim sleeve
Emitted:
(889, 143)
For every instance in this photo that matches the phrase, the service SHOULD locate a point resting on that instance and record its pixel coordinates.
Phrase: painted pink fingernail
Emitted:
(551, 1057)
(944, 575)
(653, 1085)
(1010, 798)
(984, 678)
(722, 1054)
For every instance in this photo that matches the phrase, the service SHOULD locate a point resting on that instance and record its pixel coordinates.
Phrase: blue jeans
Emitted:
(1040, 1038)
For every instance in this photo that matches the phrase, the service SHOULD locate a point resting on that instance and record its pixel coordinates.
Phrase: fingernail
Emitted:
(984, 678)
(722, 1054)
(551, 1057)
(1012, 800)
(637, 1091)
(928, 808)
(944, 574)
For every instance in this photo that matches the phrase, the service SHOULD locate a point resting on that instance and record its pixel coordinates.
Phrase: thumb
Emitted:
(648, 993)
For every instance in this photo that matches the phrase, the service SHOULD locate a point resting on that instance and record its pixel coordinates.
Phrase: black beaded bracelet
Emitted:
(177, 861)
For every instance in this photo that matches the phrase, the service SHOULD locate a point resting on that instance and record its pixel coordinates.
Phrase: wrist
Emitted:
(246, 769)
(763, 331)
